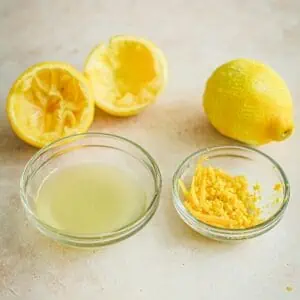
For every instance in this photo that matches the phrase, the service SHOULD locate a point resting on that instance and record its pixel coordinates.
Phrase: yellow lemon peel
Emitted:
(248, 101)
(220, 199)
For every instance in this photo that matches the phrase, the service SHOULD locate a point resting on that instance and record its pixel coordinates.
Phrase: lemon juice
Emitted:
(90, 198)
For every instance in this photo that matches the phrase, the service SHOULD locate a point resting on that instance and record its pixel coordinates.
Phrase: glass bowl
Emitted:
(91, 148)
(236, 160)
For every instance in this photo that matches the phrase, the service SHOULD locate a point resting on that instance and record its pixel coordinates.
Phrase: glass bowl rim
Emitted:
(187, 216)
(101, 238)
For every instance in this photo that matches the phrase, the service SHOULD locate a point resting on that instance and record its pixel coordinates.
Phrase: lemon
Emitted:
(48, 101)
(126, 75)
(248, 101)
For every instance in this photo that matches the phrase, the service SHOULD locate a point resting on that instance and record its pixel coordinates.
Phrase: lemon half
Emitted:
(126, 75)
(48, 101)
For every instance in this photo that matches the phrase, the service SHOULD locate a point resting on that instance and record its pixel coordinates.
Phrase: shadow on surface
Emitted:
(103, 122)
(186, 235)
(12, 148)
(187, 121)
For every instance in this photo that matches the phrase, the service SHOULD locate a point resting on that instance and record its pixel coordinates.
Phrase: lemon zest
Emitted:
(194, 197)
(277, 187)
(220, 199)
(183, 188)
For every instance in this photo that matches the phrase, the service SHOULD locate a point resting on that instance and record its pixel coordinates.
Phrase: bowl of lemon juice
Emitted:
(92, 189)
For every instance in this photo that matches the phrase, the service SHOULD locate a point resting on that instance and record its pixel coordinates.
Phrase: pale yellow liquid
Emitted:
(90, 199)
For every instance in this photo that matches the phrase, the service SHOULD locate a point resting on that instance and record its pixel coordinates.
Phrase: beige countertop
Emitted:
(166, 260)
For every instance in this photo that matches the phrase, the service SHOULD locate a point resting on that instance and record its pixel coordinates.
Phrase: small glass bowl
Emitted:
(85, 148)
(236, 160)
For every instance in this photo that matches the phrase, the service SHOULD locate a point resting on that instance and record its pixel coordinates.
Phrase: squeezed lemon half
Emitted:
(126, 75)
(48, 101)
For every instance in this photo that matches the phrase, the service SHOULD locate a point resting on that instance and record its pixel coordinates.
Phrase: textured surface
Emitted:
(166, 260)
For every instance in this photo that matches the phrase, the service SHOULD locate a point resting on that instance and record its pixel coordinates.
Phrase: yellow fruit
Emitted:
(126, 75)
(248, 101)
(49, 101)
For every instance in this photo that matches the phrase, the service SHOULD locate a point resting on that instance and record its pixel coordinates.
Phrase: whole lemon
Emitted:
(248, 101)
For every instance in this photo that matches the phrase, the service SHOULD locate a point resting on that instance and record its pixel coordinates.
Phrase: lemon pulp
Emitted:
(90, 198)
(126, 75)
(48, 101)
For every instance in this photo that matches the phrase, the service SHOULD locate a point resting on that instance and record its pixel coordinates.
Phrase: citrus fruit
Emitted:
(248, 101)
(126, 75)
(48, 101)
